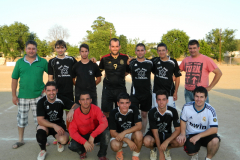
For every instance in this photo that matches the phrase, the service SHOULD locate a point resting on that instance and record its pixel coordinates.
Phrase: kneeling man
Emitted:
(125, 124)
(199, 126)
(160, 132)
(50, 118)
(89, 126)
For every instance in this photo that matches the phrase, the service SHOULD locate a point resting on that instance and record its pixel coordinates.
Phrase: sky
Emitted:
(144, 19)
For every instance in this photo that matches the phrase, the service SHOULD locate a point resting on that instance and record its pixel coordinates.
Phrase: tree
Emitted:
(57, 32)
(123, 41)
(238, 44)
(151, 50)
(43, 48)
(131, 46)
(228, 41)
(73, 50)
(205, 48)
(177, 42)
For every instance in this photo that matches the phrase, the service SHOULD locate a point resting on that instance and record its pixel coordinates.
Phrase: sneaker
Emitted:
(60, 147)
(195, 157)
(55, 141)
(124, 145)
(83, 156)
(42, 155)
(102, 158)
(135, 158)
(167, 154)
(153, 154)
(119, 155)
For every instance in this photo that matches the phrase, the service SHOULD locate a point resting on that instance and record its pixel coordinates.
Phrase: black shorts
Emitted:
(144, 103)
(109, 97)
(190, 148)
(162, 136)
(52, 132)
(68, 95)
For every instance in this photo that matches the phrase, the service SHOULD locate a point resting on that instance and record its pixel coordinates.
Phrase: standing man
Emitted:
(86, 71)
(115, 66)
(160, 133)
(199, 126)
(197, 68)
(164, 68)
(89, 126)
(30, 70)
(141, 90)
(125, 126)
(50, 118)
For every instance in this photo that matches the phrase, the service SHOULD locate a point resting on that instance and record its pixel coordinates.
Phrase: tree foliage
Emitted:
(123, 41)
(151, 50)
(177, 42)
(43, 48)
(205, 48)
(57, 32)
(73, 50)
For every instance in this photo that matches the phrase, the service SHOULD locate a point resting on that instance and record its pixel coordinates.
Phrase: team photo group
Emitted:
(147, 117)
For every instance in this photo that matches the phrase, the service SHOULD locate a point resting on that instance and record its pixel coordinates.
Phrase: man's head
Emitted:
(123, 102)
(193, 48)
(200, 95)
(85, 100)
(140, 50)
(162, 98)
(31, 49)
(114, 46)
(162, 50)
(84, 51)
(51, 90)
(60, 47)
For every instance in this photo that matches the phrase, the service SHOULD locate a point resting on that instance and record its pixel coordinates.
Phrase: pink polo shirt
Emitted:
(197, 71)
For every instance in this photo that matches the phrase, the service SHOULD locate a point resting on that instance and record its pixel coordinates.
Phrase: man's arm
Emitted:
(208, 132)
(218, 74)
(157, 140)
(50, 77)
(74, 82)
(177, 82)
(14, 90)
(137, 127)
(182, 137)
(71, 112)
(98, 80)
(172, 137)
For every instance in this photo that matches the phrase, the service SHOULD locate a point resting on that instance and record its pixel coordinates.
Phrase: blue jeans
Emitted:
(189, 97)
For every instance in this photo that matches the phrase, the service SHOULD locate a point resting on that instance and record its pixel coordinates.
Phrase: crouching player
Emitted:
(160, 133)
(50, 118)
(125, 126)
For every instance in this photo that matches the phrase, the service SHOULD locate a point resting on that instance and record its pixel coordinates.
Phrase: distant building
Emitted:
(232, 54)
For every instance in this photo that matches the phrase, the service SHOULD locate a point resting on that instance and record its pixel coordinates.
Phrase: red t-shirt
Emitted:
(94, 123)
(197, 71)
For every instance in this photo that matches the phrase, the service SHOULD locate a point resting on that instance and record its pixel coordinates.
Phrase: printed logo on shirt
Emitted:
(162, 72)
(64, 71)
(214, 119)
(53, 115)
(158, 119)
(47, 106)
(121, 61)
(57, 62)
(193, 73)
(109, 62)
(204, 119)
(162, 127)
(135, 64)
(190, 117)
(141, 73)
(200, 126)
(119, 119)
(126, 125)
(159, 62)
(90, 72)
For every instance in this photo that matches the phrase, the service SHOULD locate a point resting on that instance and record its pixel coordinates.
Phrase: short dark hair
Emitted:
(162, 45)
(31, 42)
(84, 46)
(193, 42)
(140, 44)
(200, 89)
(50, 83)
(61, 43)
(123, 95)
(84, 93)
(115, 40)
(162, 92)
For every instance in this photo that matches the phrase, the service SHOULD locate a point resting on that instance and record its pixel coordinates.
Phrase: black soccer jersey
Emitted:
(141, 77)
(163, 72)
(114, 70)
(61, 69)
(86, 74)
(120, 122)
(163, 122)
(53, 112)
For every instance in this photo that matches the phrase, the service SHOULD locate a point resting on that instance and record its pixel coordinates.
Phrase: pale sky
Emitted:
(147, 20)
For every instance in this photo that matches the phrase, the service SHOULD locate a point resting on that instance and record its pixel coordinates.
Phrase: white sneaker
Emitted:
(153, 154)
(124, 145)
(58, 147)
(42, 155)
(167, 154)
(195, 157)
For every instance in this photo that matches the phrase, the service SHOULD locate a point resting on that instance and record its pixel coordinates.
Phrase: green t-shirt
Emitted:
(31, 77)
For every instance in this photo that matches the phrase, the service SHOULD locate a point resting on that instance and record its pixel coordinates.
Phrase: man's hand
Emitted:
(58, 129)
(93, 60)
(164, 146)
(88, 147)
(175, 96)
(195, 138)
(181, 139)
(15, 100)
(120, 136)
(208, 88)
(128, 61)
(91, 140)
(70, 115)
(131, 145)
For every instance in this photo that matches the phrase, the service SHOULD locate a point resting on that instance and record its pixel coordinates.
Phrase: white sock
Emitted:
(120, 150)
(207, 158)
(135, 154)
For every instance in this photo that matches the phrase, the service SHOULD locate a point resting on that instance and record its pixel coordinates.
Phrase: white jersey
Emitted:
(198, 121)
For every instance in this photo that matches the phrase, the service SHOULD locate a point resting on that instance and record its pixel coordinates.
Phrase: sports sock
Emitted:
(120, 150)
(135, 154)
(207, 158)
(41, 138)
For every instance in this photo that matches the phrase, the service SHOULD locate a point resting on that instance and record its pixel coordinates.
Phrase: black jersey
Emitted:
(86, 74)
(114, 70)
(163, 72)
(163, 122)
(61, 69)
(53, 112)
(141, 77)
(120, 122)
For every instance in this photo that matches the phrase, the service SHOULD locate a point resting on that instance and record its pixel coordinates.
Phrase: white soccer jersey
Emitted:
(198, 121)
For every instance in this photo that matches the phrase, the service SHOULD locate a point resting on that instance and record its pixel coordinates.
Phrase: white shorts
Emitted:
(129, 136)
(171, 102)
